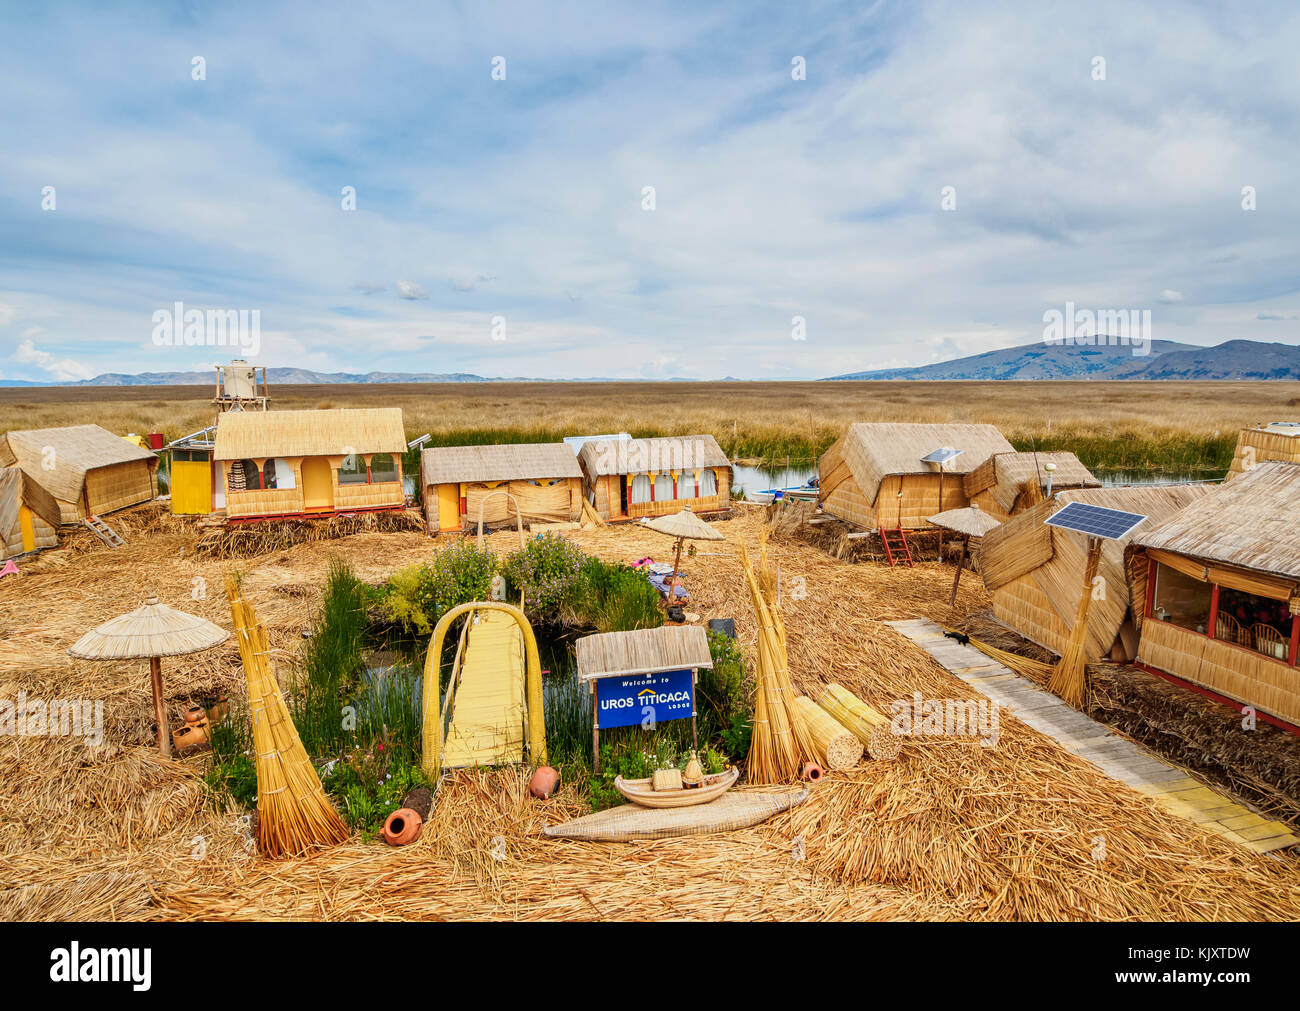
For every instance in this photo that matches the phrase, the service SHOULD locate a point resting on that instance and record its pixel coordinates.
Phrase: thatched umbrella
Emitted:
(682, 525)
(969, 522)
(150, 632)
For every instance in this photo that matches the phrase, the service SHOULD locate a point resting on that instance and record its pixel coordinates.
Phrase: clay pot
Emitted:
(403, 826)
(195, 714)
(544, 782)
(190, 736)
(219, 710)
(812, 772)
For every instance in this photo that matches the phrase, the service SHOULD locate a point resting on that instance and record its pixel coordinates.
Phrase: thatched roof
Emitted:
(879, 449)
(1005, 474)
(455, 464)
(71, 451)
(1252, 522)
(1055, 559)
(640, 456)
(644, 651)
(151, 630)
(252, 435)
(971, 521)
(684, 524)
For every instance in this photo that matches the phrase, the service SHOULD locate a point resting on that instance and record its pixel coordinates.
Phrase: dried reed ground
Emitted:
(950, 831)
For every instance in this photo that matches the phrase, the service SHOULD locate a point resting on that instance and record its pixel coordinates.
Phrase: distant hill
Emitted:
(1235, 359)
(279, 376)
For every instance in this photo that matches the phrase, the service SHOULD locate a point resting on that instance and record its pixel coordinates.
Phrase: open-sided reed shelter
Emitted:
(276, 464)
(1220, 582)
(1034, 573)
(29, 515)
(862, 475)
(1278, 440)
(1009, 483)
(87, 470)
(631, 478)
(539, 482)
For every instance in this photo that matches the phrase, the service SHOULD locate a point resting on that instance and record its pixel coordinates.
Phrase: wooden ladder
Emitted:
(897, 550)
(103, 531)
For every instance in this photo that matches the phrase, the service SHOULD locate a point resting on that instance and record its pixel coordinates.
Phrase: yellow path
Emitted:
(487, 708)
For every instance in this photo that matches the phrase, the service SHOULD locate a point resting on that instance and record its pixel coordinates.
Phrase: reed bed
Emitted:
(248, 540)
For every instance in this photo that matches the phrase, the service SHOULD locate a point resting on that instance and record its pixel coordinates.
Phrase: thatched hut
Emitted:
(1277, 440)
(631, 478)
(1009, 483)
(276, 464)
(538, 482)
(862, 475)
(87, 470)
(1220, 586)
(29, 515)
(1034, 573)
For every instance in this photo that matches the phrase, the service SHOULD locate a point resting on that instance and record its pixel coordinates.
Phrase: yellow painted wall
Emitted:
(191, 487)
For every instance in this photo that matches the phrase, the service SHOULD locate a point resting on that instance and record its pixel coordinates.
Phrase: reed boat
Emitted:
(640, 791)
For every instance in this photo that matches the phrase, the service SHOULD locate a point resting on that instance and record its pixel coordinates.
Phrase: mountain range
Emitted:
(1234, 359)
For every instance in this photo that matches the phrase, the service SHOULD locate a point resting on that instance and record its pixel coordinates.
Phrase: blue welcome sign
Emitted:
(632, 700)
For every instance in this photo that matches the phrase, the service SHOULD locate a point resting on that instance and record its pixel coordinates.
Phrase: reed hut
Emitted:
(1277, 440)
(874, 476)
(29, 515)
(87, 470)
(1219, 586)
(631, 478)
(278, 464)
(1033, 572)
(538, 482)
(1009, 483)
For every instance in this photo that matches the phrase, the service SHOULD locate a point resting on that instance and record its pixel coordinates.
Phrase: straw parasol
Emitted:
(150, 632)
(969, 522)
(682, 525)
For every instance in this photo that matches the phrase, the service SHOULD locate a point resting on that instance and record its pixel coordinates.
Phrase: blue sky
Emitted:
(522, 198)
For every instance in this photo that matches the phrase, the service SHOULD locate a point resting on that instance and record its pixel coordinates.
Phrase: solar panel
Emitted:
(942, 455)
(1094, 521)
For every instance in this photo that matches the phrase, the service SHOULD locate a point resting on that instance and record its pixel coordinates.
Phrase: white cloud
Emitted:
(1170, 297)
(410, 290)
(60, 369)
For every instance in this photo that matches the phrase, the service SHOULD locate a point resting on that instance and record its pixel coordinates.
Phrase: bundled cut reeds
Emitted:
(837, 747)
(1070, 678)
(867, 724)
(294, 815)
(781, 741)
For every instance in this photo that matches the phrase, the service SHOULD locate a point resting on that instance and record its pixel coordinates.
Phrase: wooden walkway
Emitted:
(1116, 756)
(486, 703)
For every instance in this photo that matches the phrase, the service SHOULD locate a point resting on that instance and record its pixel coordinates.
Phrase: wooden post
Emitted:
(1212, 622)
(941, 510)
(1295, 639)
(695, 738)
(677, 561)
(961, 560)
(595, 730)
(159, 713)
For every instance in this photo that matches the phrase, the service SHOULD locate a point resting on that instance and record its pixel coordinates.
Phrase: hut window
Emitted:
(708, 483)
(244, 476)
(1181, 600)
(353, 469)
(278, 474)
(640, 488)
(664, 488)
(382, 468)
(1258, 623)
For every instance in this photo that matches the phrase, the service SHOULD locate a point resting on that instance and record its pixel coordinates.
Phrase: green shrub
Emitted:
(546, 570)
(724, 697)
(612, 597)
(417, 596)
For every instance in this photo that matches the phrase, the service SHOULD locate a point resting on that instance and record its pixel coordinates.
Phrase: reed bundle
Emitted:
(1037, 671)
(294, 815)
(836, 746)
(781, 742)
(866, 723)
(1070, 678)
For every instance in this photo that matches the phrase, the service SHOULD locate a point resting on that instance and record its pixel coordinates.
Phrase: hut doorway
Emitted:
(448, 507)
(317, 484)
(28, 528)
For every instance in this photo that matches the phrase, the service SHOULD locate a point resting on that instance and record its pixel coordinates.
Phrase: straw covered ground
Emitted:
(951, 830)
